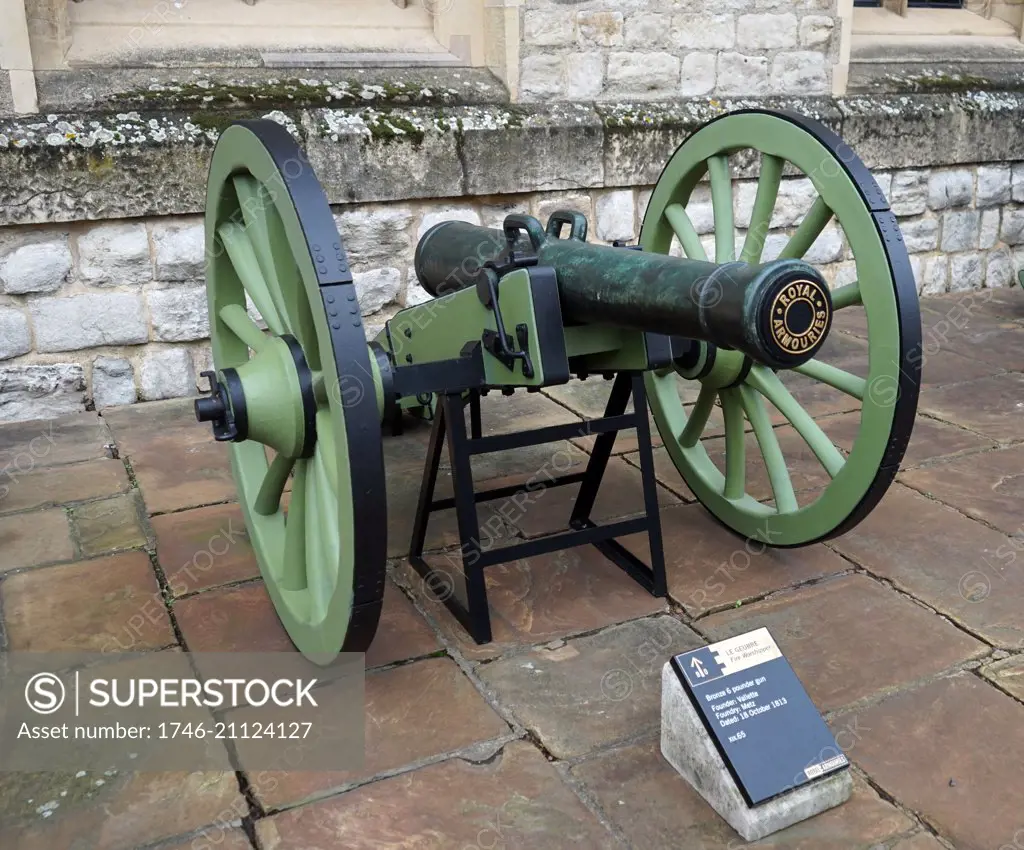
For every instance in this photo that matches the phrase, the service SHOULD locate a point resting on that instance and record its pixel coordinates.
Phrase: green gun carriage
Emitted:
(534, 305)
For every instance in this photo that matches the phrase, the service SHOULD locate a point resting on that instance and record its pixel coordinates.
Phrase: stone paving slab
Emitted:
(38, 443)
(109, 525)
(176, 463)
(593, 691)
(204, 548)
(103, 605)
(988, 486)
(536, 600)
(708, 567)
(987, 339)
(654, 807)
(951, 563)
(61, 485)
(242, 619)
(951, 751)
(829, 632)
(42, 537)
(990, 406)
(114, 811)
(513, 801)
(414, 713)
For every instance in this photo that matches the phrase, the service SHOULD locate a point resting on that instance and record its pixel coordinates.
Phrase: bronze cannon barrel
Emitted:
(777, 313)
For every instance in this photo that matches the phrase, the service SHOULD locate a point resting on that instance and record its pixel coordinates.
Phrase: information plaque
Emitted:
(769, 733)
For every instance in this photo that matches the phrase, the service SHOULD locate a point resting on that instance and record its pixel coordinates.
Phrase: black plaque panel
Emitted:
(769, 733)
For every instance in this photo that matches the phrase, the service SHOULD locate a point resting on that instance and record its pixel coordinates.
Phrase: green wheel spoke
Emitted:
(263, 219)
(268, 500)
(679, 221)
(699, 417)
(317, 586)
(243, 257)
(766, 382)
(764, 206)
(808, 232)
(320, 388)
(771, 452)
(293, 568)
(721, 202)
(846, 296)
(326, 448)
(238, 321)
(735, 445)
(835, 377)
(322, 575)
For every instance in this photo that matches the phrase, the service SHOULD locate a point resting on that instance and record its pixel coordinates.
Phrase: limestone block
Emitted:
(14, 335)
(950, 189)
(800, 72)
(35, 267)
(816, 31)
(961, 231)
(376, 237)
(909, 193)
(966, 272)
(584, 75)
(166, 373)
(920, 234)
(699, 74)
(742, 75)
(377, 288)
(87, 321)
(643, 74)
(766, 32)
(179, 314)
(616, 216)
(179, 251)
(41, 392)
(936, 275)
(995, 185)
(113, 382)
(704, 32)
(605, 29)
(114, 255)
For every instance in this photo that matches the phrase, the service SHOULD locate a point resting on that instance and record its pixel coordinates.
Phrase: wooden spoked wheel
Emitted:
(301, 395)
(750, 397)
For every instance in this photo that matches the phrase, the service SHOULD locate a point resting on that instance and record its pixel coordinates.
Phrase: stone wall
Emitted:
(115, 312)
(650, 49)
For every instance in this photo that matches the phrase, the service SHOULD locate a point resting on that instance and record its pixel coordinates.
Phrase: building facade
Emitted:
(413, 111)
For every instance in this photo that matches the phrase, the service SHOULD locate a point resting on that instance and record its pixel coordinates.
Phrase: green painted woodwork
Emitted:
(786, 522)
(273, 399)
(255, 245)
(439, 329)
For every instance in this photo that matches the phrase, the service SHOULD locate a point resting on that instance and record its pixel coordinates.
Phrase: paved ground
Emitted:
(908, 633)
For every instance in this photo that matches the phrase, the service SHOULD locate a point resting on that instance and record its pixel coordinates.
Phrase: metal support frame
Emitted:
(471, 608)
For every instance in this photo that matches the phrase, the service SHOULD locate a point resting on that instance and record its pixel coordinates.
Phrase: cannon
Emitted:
(712, 338)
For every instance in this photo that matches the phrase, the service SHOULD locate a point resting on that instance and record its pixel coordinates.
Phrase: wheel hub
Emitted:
(270, 399)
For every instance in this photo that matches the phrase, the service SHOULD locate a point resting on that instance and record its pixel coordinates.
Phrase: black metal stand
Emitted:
(472, 610)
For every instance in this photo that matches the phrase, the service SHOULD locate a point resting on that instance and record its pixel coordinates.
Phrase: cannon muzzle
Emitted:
(778, 313)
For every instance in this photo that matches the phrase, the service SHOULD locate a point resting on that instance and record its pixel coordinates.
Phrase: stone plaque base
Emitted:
(686, 745)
